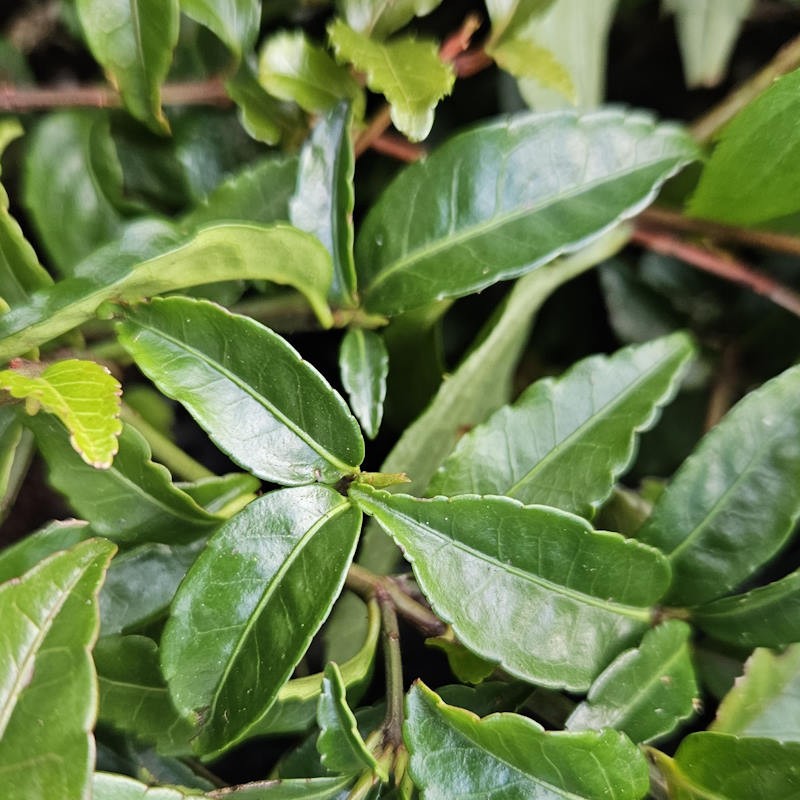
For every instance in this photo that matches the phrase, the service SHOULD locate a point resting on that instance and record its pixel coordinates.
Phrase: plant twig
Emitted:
(458, 42)
(393, 659)
(376, 127)
(719, 264)
(675, 221)
(785, 60)
(398, 147)
(723, 390)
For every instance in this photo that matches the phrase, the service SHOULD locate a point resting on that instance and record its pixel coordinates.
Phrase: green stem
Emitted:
(393, 723)
(180, 464)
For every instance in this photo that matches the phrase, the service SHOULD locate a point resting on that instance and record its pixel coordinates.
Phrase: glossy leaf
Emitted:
(292, 68)
(743, 183)
(715, 765)
(235, 22)
(645, 692)
(768, 616)
(226, 653)
(765, 701)
(364, 365)
(738, 486)
(82, 394)
(218, 494)
(73, 185)
(707, 33)
(407, 71)
(260, 402)
(565, 442)
(46, 675)
(106, 786)
(323, 200)
(532, 588)
(379, 18)
(133, 40)
(509, 756)
(340, 744)
(132, 501)
(499, 200)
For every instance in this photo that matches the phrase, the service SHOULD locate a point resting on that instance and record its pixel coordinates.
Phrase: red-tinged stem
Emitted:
(398, 147)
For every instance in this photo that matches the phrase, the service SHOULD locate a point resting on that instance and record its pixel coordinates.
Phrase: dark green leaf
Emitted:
(645, 692)
(765, 701)
(752, 175)
(565, 442)
(132, 501)
(379, 18)
(738, 486)
(323, 200)
(261, 403)
(364, 365)
(505, 757)
(247, 610)
(46, 674)
(133, 40)
(532, 588)
(722, 767)
(489, 205)
(236, 22)
(463, 663)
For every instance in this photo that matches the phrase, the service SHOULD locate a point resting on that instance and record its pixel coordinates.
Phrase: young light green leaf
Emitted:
(532, 588)
(16, 452)
(364, 365)
(379, 18)
(132, 501)
(407, 71)
(235, 22)
(768, 616)
(289, 425)
(133, 694)
(723, 767)
(463, 663)
(525, 58)
(509, 16)
(340, 745)
(84, 395)
(644, 692)
(218, 494)
(744, 182)
(765, 701)
(292, 68)
(46, 675)
(71, 155)
(250, 605)
(488, 205)
(738, 486)
(133, 40)
(707, 32)
(565, 442)
(323, 200)
(506, 756)
(106, 786)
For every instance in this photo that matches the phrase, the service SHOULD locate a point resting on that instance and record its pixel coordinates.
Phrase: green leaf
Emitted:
(364, 365)
(217, 494)
(235, 22)
(83, 394)
(379, 18)
(744, 183)
(509, 16)
(565, 442)
(532, 588)
(524, 58)
(645, 692)
(738, 486)
(707, 32)
(340, 744)
(304, 429)
(296, 705)
(768, 616)
(765, 701)
(133, 694)
(507, 756)
(132, 501)
(46, 675)
(722, 767)
(489, 205)
(71, 155)
(464, 664)
(407, 71)
(292, 68)
(16, 452)
(250, 605)
(133, 40)
(323, 200)
(120, 787)
(28, 552)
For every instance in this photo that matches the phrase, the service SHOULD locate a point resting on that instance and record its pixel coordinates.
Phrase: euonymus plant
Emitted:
(561, 600)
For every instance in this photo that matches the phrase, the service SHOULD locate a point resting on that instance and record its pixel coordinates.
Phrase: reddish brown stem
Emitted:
(398, 147)
(718, 264)
(458, 42)
(723, 391)
(471, 63)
